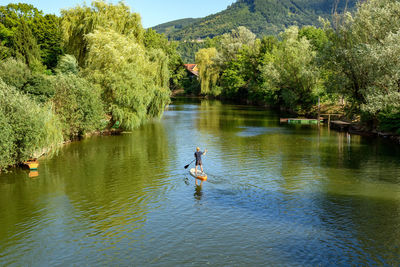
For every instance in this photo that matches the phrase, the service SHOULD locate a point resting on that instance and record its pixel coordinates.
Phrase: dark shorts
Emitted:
(198, 162)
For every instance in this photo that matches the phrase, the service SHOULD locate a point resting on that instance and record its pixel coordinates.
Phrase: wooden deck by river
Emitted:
(340, 125)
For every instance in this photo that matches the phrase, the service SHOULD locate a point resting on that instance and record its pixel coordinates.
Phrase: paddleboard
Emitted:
(200, 175)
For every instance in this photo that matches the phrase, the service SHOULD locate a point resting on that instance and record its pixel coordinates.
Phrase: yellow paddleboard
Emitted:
(200, 175)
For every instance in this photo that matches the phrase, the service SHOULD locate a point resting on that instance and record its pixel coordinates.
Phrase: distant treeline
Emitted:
(89, 69)
(351, 65)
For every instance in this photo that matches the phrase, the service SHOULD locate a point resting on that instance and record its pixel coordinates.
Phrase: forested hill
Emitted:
(263, 17)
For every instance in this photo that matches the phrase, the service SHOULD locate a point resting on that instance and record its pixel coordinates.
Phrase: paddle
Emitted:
(187, 166)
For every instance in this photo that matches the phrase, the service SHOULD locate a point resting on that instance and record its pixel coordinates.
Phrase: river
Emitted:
(276, 195)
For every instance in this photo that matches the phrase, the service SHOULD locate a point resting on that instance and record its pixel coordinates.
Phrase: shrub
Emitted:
(389, 122)
(7, 148)
(78, 105)
(67, 65)
(14, 72)
(27, 129)
(39, 87)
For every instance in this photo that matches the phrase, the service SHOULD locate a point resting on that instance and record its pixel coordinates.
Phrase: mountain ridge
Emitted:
(263, 17)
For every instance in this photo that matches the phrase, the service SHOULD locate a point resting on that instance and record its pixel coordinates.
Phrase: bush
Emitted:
(14, 72)
(7, 144)
(78, 105)
(27, 129)
(191, 85)
(389, 122)
(67, 65)
(39, 87)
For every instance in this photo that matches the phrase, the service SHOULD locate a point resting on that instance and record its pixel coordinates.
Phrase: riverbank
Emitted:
(360, 129)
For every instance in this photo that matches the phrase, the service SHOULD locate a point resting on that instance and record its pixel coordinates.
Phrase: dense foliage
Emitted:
(114, 73)
(291, 77)
(352, 66)
(78, 105)
(365, 50)
(153, 40)
(27, 34)
(27, 128)
(119, 73)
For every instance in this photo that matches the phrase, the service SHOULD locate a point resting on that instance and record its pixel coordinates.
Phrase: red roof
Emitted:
(192, 68)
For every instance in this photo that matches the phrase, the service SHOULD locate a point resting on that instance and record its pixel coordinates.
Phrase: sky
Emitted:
(153, 12)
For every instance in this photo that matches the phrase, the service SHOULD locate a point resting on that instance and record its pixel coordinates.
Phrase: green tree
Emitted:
(291, 77)
(317, 37)
(208, 71)
(232, 43)
(5, 42)
(133, 84)
(153, 40)
(17, 74)
(25, 46)
(108, 42)
(48, 33)
(80, 21)
(364, 52)
(240, 74)
(26, 33)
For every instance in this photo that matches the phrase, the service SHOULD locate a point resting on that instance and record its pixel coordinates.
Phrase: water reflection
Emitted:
(103, 187)
(198, 194)
(33, 174)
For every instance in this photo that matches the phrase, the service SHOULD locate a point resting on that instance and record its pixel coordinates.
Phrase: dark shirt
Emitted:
(198, 155)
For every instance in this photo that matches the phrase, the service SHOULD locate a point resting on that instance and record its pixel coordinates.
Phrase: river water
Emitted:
(276, 195)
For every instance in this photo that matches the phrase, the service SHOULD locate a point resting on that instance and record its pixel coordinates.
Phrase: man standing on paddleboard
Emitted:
(198, 155)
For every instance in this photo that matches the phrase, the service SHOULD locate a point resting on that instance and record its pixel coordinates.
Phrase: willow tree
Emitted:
(82, 20)
(208, 70)
(108, 42)
(134, 84)
(154, 40)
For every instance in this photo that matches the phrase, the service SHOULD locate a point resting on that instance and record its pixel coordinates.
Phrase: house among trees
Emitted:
(193, 69)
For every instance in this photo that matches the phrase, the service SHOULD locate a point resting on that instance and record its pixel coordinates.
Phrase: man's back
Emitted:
(198, 155)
